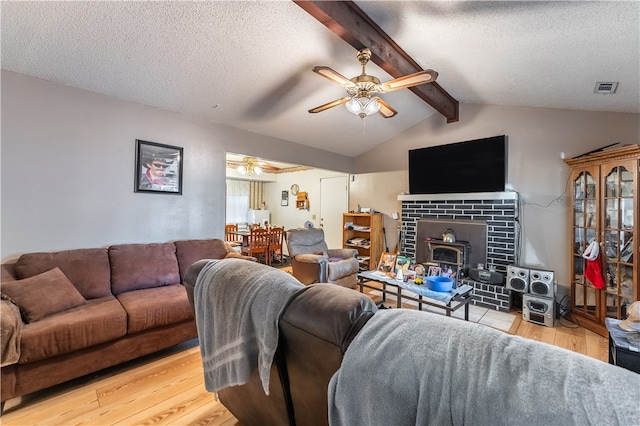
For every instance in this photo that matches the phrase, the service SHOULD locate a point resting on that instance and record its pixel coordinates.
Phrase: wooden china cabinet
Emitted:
(605, 209)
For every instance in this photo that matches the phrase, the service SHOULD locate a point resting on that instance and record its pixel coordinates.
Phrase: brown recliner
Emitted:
(313, 262)
(318, 324)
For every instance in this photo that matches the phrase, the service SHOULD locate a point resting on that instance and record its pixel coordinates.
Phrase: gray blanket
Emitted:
(238, 305)
(407, 367)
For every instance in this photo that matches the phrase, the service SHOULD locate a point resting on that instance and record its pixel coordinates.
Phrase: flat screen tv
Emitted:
(478, 165)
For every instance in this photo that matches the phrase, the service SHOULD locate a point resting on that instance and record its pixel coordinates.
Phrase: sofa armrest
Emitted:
(342, 268)
(342, 253)
(311, 258)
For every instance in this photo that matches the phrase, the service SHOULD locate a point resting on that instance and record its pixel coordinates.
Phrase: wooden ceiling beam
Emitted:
(349, 22)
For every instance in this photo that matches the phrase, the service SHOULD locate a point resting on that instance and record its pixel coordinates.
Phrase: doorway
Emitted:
(334, 201)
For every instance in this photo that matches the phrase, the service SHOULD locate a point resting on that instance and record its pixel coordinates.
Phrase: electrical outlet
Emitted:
(313, 217)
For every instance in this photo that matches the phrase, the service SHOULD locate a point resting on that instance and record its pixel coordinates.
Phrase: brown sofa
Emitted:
(341, 361)
(75, 312)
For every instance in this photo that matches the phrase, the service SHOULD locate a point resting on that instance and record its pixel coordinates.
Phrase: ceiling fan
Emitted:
(362, 88)
(249, 166)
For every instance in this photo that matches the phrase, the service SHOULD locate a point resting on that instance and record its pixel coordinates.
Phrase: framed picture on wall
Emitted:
(284, 200)
(158, 168)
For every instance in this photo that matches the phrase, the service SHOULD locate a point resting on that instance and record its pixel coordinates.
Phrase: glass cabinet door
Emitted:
(585, 230)
(618, 181)
(605, 189)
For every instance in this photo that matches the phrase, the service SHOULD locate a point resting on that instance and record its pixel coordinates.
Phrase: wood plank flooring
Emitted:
(167, 388)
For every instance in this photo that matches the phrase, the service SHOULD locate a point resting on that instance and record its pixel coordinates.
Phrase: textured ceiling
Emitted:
(253, 59)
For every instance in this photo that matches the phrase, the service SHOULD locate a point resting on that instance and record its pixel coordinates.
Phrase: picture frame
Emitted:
(284, 199)
(433, 271)
(387, 263)
(402, 263)
(158, 168)
(419, 269)
(449, 271)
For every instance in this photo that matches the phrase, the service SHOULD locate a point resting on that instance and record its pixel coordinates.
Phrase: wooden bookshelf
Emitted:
(357, 228)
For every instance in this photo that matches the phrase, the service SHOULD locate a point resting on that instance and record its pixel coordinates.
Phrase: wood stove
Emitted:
(454, 254)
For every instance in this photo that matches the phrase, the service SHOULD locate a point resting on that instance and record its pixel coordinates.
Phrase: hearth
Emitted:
(487, 221)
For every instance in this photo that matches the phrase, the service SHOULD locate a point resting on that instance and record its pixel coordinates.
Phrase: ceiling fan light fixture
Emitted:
(362, 88)
(249, 167)
(363, 106)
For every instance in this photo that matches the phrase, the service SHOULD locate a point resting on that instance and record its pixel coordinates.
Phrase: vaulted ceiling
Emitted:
(248, 64)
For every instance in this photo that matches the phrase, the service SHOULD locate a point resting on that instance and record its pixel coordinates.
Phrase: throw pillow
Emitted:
(43, 295)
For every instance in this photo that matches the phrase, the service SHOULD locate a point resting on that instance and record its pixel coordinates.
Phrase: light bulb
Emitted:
(363, 106)
(371, 107)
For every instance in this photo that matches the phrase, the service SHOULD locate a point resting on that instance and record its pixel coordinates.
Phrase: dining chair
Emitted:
(257, 244)
(276, 236)
(230, 235)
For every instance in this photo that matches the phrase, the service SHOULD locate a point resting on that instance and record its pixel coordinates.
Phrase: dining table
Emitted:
(244, 234)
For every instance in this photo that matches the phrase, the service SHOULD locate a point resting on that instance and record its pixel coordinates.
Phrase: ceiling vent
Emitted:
(606, 88)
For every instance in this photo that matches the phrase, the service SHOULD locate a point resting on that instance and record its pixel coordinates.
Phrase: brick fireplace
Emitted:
(498, 210)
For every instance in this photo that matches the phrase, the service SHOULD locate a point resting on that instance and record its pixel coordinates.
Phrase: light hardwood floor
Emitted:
(167, 388)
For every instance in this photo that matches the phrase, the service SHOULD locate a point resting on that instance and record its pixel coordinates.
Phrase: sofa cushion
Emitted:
(87, 269)
(190, 251)
(97, 321)
(150, 308)
(43, 295)
(138, 266)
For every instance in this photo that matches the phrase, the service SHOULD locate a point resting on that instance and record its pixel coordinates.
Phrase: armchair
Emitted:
(313, 262)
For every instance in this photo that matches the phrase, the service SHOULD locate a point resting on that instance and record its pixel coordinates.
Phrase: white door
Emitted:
(334, 201)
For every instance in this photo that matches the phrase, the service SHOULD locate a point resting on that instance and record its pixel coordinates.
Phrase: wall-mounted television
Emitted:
(478, 165)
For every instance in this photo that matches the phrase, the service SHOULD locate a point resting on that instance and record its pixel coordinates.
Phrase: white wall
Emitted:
(536, 136)
(379, 191)
(68, 162)
(289, 216)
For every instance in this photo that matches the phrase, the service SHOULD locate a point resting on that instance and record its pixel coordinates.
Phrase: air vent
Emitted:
(606, 88)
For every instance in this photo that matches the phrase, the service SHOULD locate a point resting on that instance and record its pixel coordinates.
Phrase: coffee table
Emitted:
(450, 301)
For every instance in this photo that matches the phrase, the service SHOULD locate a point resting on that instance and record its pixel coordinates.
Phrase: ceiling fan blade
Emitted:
(330, 104)
(334, 76)
(427, 76)
(385, 110)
